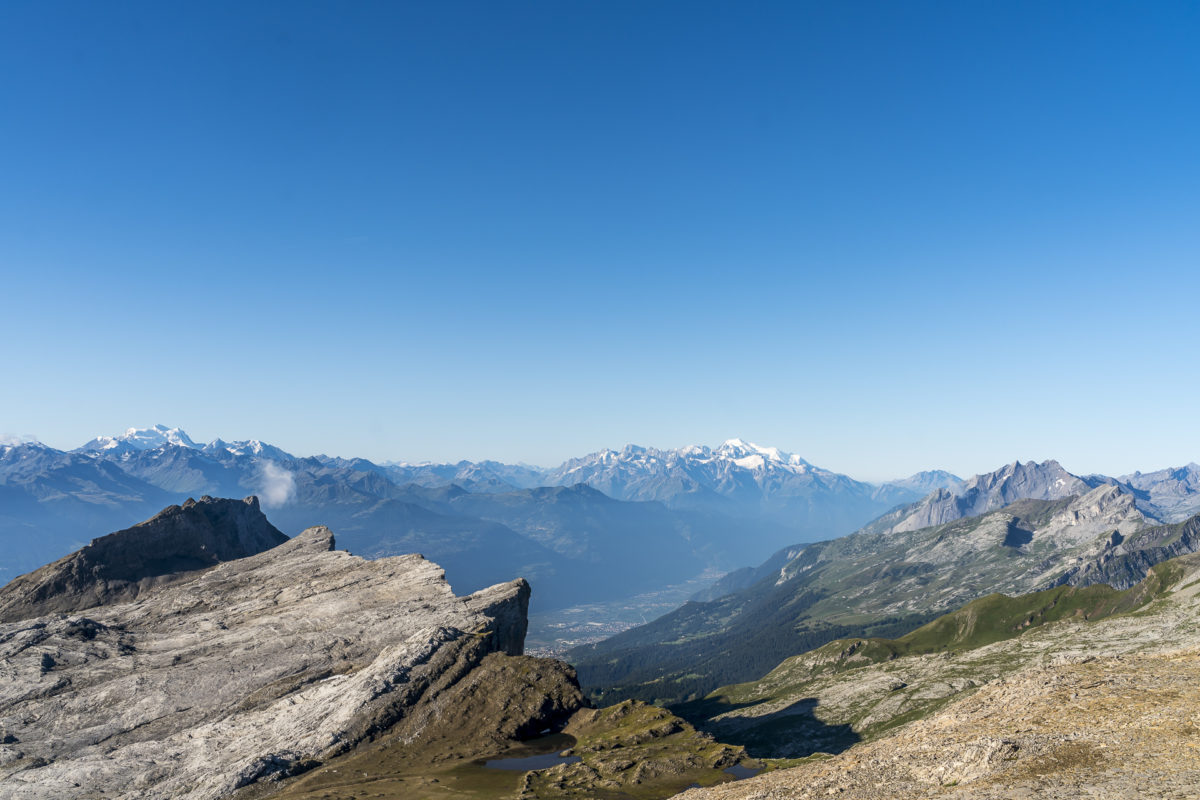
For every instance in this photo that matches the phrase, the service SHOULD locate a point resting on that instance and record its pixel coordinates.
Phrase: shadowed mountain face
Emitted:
(117, 567)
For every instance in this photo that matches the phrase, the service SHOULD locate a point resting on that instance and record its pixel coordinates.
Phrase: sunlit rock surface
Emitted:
(251, 669)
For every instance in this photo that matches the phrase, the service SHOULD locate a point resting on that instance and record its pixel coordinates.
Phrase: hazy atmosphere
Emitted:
(887, 237)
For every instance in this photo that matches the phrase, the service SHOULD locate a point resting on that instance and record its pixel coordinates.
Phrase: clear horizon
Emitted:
(7, 438)
(885, 237)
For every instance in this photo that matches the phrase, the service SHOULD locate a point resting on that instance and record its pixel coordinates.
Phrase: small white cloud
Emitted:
(276, 485)
(12, 439)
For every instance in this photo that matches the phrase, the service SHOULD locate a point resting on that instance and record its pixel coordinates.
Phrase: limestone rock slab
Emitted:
(251, 669)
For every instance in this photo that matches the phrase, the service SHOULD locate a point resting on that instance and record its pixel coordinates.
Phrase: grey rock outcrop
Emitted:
(256, 668)
(988, 492)
(1123, 563)
(117, 567)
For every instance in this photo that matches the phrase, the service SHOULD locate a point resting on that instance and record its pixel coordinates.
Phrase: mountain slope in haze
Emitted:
(474, 552)
(745, 577)
(872, 580)
(581, 522)
(921, 483)
(474, 476)
(575, 544)
(52, 502)
(1174, 492)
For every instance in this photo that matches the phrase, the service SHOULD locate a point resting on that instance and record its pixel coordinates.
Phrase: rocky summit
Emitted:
(252, 669)
(165, 549)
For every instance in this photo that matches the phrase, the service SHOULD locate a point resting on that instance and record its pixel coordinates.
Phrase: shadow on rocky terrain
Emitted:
(793, 730)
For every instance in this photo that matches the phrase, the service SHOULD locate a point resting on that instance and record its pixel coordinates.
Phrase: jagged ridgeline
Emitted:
(884, 581)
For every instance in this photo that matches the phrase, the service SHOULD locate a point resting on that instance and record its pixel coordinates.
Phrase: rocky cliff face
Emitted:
(1122, 562)
(989, 491)
(253, 669)
(164, 549)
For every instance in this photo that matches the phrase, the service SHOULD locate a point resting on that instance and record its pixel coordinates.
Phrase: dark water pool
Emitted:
(535, 754)
(740, 772)
(531, 762)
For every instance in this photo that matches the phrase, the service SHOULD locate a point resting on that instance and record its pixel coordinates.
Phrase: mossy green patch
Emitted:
(633, 751)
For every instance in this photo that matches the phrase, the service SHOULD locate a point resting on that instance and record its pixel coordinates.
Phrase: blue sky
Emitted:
(886, 236)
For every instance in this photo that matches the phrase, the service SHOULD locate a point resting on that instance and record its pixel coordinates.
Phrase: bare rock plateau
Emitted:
(140, 667)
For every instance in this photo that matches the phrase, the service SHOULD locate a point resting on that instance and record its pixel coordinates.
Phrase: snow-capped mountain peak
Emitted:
(140, 439)
(251, 446)
(642, 473)
(10, 440)
(14, 445)
(752, 456)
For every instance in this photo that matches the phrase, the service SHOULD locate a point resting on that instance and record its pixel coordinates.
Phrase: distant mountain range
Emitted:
(605, 526)
(682, 511)
(1022, 528)
(744, 480)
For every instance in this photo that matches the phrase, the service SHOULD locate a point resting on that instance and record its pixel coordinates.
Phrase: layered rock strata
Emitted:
(253, 669)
